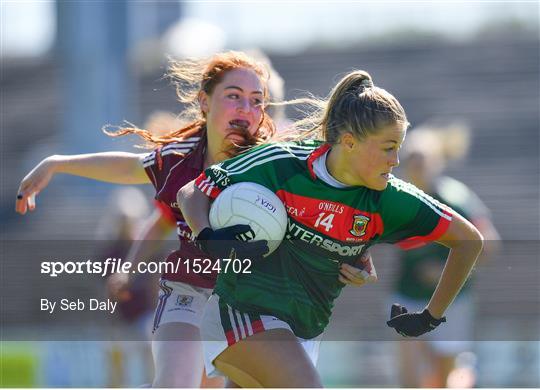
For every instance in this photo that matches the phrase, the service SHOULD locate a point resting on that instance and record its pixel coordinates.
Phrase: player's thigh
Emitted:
(177, 363)
(273, 358)
(176, 345)
(180, 302)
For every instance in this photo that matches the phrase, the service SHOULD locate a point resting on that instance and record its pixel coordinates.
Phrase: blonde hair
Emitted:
(191, 77)
(354, 105)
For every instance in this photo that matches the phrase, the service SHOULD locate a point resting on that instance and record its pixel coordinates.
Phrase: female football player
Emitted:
(341, 198)
(225, 98)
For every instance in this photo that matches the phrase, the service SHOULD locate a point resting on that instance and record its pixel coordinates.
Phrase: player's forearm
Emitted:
(195, 207)
(112, 167)
(462, 257)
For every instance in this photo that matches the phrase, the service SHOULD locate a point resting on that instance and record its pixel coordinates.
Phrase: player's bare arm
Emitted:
(195, 207)
(465, 242)
(112, 167)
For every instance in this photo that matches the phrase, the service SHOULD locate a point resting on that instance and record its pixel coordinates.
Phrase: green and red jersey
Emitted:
(327, 226)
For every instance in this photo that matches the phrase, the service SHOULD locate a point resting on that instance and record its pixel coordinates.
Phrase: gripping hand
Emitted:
(227, 243)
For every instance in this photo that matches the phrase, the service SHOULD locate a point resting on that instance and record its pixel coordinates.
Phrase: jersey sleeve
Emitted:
(151, 167)
(158, 163)
(213, 180)
(410, 217)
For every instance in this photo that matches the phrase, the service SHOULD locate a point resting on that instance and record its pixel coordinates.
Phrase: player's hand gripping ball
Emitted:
(254, 205)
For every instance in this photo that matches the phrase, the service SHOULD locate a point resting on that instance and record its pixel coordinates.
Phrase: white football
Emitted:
(254, 205)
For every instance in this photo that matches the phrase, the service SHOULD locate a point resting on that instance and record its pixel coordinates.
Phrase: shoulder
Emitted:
(405, 197)
(177, 150)
(408, 212)
(269, 154)
(295, 148)
(400, 188)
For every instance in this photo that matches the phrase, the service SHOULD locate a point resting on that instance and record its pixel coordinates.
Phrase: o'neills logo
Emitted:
(359, 225)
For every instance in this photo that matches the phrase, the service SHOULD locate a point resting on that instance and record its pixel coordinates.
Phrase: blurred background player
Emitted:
(426, 153)
(129, 362)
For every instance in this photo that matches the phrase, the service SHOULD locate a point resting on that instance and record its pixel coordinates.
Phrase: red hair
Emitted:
(191, 77)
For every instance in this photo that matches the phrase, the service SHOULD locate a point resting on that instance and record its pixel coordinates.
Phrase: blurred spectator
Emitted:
(432, 362)
(129, 364)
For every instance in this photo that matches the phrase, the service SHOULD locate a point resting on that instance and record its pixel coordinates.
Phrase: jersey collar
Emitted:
(314, 156)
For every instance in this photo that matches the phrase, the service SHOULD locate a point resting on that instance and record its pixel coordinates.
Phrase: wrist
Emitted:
(433, 319)
(55, 163)
(204, 234)
(433, 313)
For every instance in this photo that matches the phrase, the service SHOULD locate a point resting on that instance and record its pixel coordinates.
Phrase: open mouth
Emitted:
(239, 124)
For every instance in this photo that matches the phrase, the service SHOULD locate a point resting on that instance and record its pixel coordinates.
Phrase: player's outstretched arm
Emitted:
(112, 167)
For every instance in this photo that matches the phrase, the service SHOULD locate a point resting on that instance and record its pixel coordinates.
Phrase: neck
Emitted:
(338, 167)
(214, 153)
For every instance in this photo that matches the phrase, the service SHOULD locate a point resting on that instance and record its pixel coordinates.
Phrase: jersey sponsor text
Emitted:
(295, 231)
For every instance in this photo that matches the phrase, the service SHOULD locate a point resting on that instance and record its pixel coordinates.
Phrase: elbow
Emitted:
(476, 241)
(180, 197)
(183, 194)
(467, 238)
(464, 239)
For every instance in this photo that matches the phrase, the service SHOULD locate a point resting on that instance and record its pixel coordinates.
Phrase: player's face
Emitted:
(376, 156)
(235, 106)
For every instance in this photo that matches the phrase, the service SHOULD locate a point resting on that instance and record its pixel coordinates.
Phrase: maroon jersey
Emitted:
(169, 169)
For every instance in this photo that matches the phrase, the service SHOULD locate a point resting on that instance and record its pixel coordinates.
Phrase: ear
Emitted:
(203, 102)
(348, 141)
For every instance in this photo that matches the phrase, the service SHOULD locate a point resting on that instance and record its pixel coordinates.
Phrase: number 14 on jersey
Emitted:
(325, 219)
